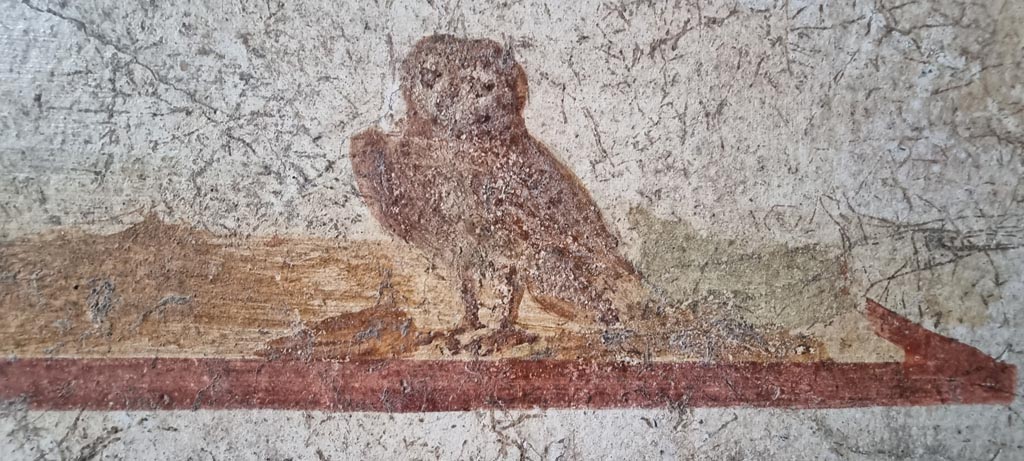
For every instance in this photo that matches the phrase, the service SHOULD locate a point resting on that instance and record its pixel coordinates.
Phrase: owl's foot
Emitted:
(467, 325)
(503, 338)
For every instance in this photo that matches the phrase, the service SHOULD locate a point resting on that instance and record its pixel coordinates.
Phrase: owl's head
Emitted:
(463, 85)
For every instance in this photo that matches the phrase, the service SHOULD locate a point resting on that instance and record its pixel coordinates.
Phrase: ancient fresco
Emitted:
(503, 285)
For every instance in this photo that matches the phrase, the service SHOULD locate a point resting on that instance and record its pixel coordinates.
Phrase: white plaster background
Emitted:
(890, 129)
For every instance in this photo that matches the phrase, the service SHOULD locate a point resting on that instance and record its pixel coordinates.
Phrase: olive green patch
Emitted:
(788, 287)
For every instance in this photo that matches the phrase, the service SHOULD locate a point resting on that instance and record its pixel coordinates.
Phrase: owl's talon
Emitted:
(451, 338)
(502, 338)
(467, 326)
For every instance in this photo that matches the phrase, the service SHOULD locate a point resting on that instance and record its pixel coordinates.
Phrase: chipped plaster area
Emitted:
(885, 134)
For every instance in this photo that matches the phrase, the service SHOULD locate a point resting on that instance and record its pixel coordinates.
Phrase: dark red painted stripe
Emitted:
(938, 370)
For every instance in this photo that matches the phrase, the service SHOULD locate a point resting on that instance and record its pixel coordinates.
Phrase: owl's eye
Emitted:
(483, 89)
(428, 77)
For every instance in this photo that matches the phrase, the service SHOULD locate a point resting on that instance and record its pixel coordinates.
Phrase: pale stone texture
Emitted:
(889, 130)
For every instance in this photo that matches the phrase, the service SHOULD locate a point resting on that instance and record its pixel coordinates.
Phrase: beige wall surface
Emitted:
(886, 133)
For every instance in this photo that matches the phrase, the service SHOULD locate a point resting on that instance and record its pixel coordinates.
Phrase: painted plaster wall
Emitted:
(890, 131)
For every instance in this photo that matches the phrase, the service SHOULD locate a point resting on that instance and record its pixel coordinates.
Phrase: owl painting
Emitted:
(463, 180)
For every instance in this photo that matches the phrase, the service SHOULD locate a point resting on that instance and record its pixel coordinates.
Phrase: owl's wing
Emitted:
(554, 200)
(372, 154)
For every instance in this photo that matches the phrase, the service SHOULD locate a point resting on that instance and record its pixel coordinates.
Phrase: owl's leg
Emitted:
(517, 289)
(468, 286)
(508, 334)
(468, 290)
